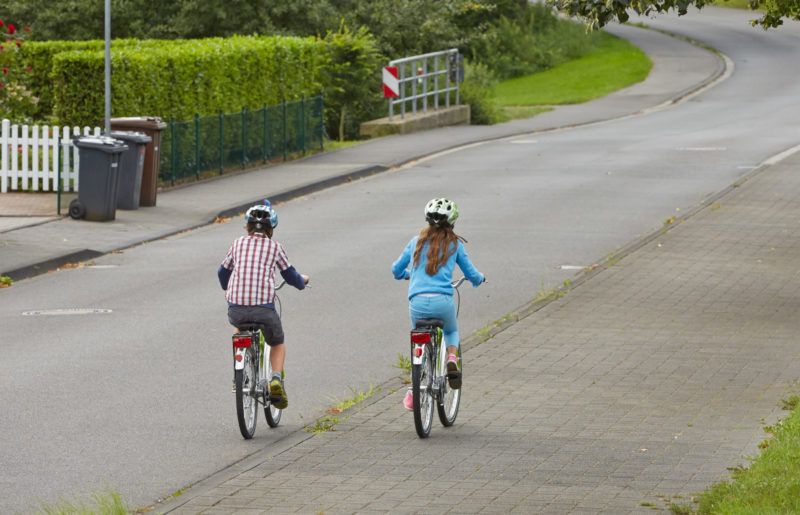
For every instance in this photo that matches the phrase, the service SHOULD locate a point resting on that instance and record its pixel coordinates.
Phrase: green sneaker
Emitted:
(277, 394)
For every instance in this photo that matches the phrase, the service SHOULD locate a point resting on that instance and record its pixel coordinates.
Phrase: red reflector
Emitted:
(239, 357)
(241, 341)
(417, 351)
(420, 337)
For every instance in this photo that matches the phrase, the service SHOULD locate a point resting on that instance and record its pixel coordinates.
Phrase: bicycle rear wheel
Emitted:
(448, 409)
(272, 413)
(422, 390)
(246, 403)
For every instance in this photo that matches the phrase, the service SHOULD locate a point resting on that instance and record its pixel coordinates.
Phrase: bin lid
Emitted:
(131, 136)
(103, 143)
(139, 122)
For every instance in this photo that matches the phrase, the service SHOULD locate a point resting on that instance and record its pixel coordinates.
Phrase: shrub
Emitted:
(477, 91)
(534, 42)
(352, 81)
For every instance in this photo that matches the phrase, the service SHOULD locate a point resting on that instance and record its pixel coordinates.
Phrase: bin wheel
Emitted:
(76, 209)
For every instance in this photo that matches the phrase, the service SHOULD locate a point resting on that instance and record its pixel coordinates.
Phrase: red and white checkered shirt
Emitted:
(253, 259)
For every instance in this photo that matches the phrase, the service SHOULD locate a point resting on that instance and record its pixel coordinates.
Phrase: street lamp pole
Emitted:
(108, 65)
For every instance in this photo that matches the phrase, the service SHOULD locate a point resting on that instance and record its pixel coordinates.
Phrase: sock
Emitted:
(276, 376)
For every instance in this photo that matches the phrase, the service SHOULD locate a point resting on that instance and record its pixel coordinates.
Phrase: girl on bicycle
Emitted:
(428, 261)
(246, 275)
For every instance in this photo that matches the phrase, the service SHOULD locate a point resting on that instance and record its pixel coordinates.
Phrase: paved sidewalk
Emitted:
(638, 388)
(29, 247)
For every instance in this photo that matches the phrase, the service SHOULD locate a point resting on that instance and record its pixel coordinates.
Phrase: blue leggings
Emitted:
(437, 306)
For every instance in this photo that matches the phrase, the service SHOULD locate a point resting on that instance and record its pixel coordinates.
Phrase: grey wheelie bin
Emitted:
(98, 175)
(130, 169)
(151, 126)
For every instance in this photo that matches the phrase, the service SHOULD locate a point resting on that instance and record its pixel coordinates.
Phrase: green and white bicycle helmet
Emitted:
(441, 211)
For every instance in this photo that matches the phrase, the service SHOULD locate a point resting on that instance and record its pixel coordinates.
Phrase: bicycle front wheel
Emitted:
(448, 409)
(246, 403)
(422, 390)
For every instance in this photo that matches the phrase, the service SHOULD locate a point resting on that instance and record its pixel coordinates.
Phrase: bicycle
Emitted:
(251, 373)
(429, 379)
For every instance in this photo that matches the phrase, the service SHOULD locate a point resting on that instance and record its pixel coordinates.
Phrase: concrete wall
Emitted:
(444, 116)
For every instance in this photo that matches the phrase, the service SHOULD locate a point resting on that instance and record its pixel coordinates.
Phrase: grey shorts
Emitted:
(268, 319)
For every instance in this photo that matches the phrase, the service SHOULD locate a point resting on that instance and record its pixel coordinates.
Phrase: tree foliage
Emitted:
(598, 13)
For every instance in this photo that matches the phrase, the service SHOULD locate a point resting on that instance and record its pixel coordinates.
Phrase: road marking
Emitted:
(66, 311)
(524, 141)
(783, 155)
(571, 267)
(702, 149)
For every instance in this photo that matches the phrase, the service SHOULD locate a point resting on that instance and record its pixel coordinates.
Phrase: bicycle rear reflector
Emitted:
(241, 341)
(420, 337)
(417, 352)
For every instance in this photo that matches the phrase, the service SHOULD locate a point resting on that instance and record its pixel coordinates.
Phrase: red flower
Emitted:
(1, 23)
(1, 84)
(30, 67)
(5, 70)
(26, 29)
(11, 28)
(19, 44)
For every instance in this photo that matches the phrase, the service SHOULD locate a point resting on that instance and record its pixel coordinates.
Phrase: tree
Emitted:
(598, 13)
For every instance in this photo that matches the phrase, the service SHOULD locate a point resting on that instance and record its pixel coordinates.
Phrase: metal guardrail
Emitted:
(428, 76)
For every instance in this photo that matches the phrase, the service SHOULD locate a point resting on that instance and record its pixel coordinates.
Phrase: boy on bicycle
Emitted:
(433, 256)
(246, 275)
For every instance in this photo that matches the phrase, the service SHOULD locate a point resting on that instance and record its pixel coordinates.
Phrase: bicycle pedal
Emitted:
(454, 380)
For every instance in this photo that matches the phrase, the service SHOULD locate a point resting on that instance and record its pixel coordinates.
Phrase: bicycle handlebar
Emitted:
(457, 283)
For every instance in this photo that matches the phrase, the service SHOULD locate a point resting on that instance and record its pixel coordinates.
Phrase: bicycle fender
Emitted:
(238, 358)
(416, 354)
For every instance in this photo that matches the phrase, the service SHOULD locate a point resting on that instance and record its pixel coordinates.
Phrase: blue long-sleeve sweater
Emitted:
(421, 282)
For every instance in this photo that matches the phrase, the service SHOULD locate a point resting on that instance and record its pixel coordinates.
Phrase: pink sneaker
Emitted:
(408, 401)
(453, 373)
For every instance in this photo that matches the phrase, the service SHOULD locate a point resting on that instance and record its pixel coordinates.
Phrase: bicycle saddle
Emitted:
(429, 322)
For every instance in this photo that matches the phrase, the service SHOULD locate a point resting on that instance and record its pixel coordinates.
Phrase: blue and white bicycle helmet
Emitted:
(441, 211)
(261, 214)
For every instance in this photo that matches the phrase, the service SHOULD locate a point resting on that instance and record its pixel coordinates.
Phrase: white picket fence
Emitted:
(30, 157)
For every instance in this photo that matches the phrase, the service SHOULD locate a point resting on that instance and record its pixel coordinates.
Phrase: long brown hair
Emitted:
(443, 244)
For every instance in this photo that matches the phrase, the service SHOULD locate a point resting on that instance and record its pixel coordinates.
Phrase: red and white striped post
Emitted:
(391, 86)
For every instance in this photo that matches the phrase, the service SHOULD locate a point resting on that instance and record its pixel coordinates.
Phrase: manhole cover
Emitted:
(67, 311)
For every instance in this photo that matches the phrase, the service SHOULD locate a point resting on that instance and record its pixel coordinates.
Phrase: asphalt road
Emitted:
(139, 398)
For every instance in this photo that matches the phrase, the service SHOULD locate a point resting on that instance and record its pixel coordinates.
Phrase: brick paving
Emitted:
(639, 387)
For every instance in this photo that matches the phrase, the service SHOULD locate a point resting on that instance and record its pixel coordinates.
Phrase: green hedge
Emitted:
(183, 77)
(39, 56)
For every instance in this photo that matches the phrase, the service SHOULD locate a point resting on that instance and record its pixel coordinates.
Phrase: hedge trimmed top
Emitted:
(172, 78)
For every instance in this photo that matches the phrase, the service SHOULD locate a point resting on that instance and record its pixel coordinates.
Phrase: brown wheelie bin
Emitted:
(151, 126)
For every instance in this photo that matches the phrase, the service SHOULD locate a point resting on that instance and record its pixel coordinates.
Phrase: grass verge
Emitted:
(614, 64)
(109, 503)
(772, 482)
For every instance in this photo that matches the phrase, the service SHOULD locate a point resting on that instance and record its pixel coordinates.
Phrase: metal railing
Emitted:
(427, 76)
(213, 144)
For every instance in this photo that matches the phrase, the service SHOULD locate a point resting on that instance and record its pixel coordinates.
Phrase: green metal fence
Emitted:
(229, 141)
